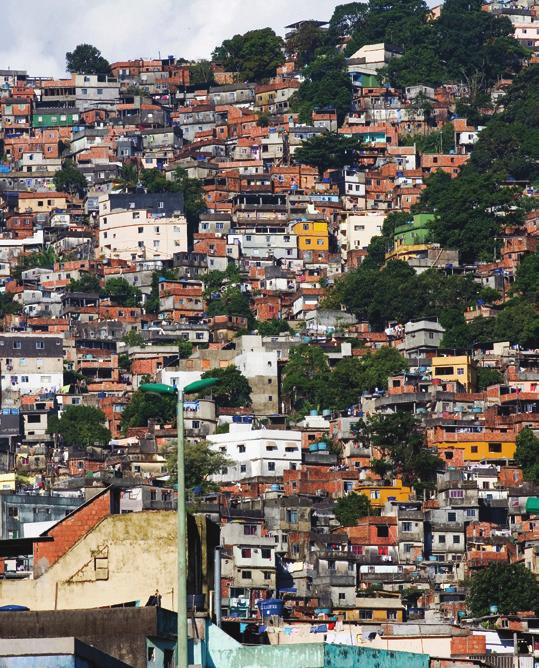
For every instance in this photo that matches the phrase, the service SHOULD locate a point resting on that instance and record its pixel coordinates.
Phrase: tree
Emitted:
(86, 59)
(201, 72)
(527, 455)
(201, 462)
(303, 43)
(400, 442)
(329, 150)
(510, 587)
(86, 283)
(233, 302)
(254, 55)
(273, 327)
(129, 176)
(326, 85)
(185, 349)
(527, 278)
(70, 180)
(232, 390)
(346, 19)
(193, 197)
(134, 339)
(306, 377)
(148, 406)
(44, 259)
(350, 508)
(80, 426)
(7, 305)
(487, 377)
(122, 293)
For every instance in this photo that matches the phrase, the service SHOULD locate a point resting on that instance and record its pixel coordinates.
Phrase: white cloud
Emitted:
(35, 35)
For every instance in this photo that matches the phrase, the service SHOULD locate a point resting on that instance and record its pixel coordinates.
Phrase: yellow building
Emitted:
(475, 450)
(7, 482)
(455, 368)
(312, 235)
(30, 202)
(379, 494)
(376, 610)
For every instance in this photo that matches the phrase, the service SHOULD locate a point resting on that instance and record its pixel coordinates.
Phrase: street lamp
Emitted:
(182, 660)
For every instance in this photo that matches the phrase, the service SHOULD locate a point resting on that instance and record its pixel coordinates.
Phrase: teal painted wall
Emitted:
(346, 656)
(270, 656)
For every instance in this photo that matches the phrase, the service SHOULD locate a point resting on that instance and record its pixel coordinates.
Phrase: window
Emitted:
(100, 91)
(456, 494)
(266, 553)
(271, 466)
(365, 614)
(140, 230)
(241, 448)
(25, 379)
(441, 538)
(267, 575)
(470, 512)
(13, 511)
(40, 345)
(407, 548)
(443, 371)
(136, 214)
(243, 468)
(151, 654)
(84, 91)
(382, 531)
(246, 553)
(342, 596)
(494, 447)
(33, 419)
(456, 539)
(292, 516)
(249, 529)
(474, 449)
(17, 345)
(407, 526)
(460, 371)
(451, 517)
(246, 575)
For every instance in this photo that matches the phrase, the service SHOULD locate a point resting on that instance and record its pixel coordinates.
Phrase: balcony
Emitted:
(346, 555)
(334, 580)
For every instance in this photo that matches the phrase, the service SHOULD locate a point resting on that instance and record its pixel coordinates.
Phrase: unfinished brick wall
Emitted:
(468, 645)
(69, 531)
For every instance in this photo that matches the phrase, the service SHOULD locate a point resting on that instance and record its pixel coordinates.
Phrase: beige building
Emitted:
(124, 558)
(147, 226)
(357, 230)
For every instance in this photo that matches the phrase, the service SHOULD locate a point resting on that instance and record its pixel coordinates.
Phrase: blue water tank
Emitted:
(313, 447)
(322, 445)
(271, 606)
(313, 412)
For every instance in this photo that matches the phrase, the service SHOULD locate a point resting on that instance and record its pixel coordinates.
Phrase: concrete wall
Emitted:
(343, 656)
(124, 558)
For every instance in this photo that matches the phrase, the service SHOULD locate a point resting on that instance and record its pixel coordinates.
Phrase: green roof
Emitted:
(532, 505)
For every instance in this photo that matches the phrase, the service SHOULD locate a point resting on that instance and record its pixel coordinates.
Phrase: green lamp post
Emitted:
(182, 658)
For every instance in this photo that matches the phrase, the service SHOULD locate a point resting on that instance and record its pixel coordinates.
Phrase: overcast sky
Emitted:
(35, 34)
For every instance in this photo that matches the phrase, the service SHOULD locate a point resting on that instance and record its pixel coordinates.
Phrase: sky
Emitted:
(35, 34)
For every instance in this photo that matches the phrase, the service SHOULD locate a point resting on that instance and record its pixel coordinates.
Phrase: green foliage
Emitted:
(145, 406)
(86, 59)
(201, 72)
(122, 293)
(134, 339)
(439, 141)
(310, 383)
(346, 19)
(326, 85)
(400, 440)
(80, 426)
(527, 455)
(201, 462)
(70, 179)
(328, 151)
(306, 376)
(152, 302)
(510, 587)
(44, 259)
(129, 176)
(7, 305)
(397, 293)
(471, 209)
(487, 377)
(254, 55)
(463, 44)
(233, 389)
(86, 283)
(304, 43)
(273, 327)
(350, 508)
(185, 349)
(398, 22)
(527, 278)
(232, 301)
